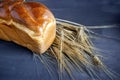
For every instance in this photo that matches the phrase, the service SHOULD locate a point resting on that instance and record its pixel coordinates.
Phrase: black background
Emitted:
(18, 63)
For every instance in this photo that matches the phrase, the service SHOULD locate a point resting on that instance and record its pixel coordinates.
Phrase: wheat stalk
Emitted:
(73, 50)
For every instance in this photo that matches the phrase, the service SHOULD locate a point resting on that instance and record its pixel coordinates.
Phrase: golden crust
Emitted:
(33, 15)
(29, 24)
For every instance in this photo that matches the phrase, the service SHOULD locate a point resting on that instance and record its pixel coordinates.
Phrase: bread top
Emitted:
(32, 15)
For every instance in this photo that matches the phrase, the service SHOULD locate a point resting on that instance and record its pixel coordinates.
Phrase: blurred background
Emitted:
(18, 63)
(87, 12)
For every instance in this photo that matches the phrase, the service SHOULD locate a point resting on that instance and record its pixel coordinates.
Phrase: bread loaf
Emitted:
(29, 24)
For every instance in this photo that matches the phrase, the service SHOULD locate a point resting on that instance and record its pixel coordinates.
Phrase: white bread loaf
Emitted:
(29, 24)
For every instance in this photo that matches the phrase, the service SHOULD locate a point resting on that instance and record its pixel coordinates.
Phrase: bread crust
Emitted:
(30, 24)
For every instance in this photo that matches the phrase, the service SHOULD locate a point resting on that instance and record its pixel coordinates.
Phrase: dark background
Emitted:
(18, 63)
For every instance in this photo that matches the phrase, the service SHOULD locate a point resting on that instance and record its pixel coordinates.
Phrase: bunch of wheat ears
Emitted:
(73, 50)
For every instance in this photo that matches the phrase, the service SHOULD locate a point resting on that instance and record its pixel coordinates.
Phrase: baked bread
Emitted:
(29, 24)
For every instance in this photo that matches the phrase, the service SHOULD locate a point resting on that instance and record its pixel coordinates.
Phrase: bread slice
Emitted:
(29, 24)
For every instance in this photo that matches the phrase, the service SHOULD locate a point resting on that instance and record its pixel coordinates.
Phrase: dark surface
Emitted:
(18, 63)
